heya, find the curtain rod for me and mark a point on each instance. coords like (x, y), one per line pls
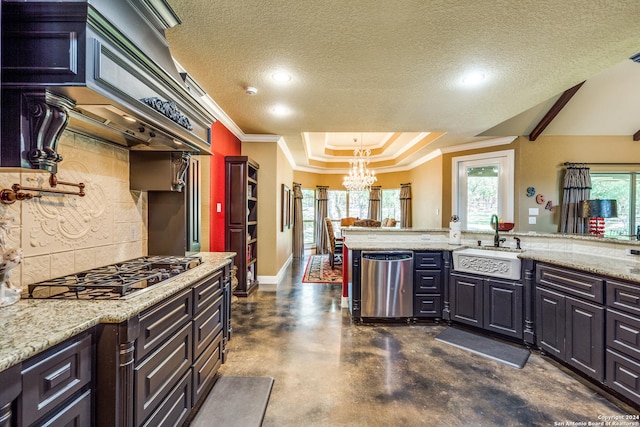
(600, 164)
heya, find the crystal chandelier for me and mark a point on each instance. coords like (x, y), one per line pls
(360, 178)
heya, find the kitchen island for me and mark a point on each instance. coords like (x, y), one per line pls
(96, 343)
(575, 298)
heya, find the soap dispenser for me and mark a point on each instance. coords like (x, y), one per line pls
(455, 232)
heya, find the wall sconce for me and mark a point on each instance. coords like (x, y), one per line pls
(597, 210)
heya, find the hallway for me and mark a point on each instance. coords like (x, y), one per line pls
(331, 372)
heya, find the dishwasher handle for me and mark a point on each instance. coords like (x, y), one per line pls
(388, 256)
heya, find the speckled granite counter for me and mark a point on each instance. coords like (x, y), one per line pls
(413, 246)
(33, 325)
(606, 257)
(625, 268)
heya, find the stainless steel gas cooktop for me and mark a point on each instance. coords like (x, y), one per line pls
(114, 281)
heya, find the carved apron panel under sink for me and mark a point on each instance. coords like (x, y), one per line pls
(488, 262)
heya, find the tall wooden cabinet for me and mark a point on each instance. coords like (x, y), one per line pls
(241, 220)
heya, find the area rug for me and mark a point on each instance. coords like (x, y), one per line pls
(319, 271)
(235, 402)
(486, 347)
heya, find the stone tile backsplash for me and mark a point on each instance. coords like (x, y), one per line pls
(63, 234)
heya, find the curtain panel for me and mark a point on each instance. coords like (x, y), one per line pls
(405, 206)
(298, 226)
(374, 203)
(322, 211)
(576, 188)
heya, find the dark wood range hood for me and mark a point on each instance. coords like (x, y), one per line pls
(100, 67)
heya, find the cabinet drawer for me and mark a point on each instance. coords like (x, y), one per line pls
(623, 296)
(160, 372)
(161, 321)
(427, 281)
(50, 379)
(76, 413)
(623, 375)
(424, 260)
(206, 367)
(426, 306)
(207, 291)
(571, 282)
(623, 333)
(206, 326)
(173, 411)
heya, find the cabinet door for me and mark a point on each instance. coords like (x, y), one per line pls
(550, 322)
(466, 299)
(585, 337)
(503, 307)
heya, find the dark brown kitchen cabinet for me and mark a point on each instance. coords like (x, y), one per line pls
(623, 338)
(158, 366)
(570, 318)
(241, 220)
(427, 284)
(491, 304)
(466, 299)
(56, 385)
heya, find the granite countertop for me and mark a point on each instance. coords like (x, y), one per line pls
(34, 325)
(624, 268)
(382, 245)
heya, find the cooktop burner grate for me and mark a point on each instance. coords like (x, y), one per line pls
(114, 281)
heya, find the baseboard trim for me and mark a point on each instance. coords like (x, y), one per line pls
(270, 283)
(345, 302)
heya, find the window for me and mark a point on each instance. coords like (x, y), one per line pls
(622, 187)
(308, 215)
(343, 204)
(483, 185)
(390, 204)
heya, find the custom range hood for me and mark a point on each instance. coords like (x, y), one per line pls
(100, 67)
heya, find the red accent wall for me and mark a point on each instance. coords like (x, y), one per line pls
(223, 143)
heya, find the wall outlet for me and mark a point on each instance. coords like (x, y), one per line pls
(425, 236)
(218, 207)
(633, 251)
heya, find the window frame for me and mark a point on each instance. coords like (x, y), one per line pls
(633, 213)
(506, 178)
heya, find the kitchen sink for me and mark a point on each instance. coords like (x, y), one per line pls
(489, 262)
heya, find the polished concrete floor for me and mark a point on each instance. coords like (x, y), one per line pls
(330, 371)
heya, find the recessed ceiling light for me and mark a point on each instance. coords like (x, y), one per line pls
(281, 76)
(280, 110)
(473, 78)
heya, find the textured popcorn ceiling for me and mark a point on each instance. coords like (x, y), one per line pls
(397, 66)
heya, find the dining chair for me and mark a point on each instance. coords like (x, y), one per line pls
(334, 246)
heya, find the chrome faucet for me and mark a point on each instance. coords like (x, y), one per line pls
(496, 238)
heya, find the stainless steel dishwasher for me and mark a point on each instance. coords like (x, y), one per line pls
(387, 284)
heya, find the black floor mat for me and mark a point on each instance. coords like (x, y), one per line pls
(486, 347)
(235, 401)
